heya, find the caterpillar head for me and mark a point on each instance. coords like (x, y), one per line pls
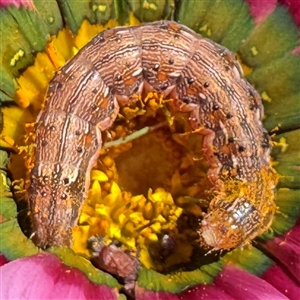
(54, 201)
(231, 224)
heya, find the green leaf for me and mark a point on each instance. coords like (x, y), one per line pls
(110, 9)
(26, 32)
(192, 12)
(13, 243)
(278, 79)
(240, 28)
(7, 86)
(8, 209)
(5, 99)
(103, 11)
(288, 202)
(15, 51)
(179, 281)
(287, 159)
(74, 12)
(151, 10)
(36, 26)
(121, 11)
(275, 37)
(49, 16)
(250, 259)
(95, 11)
(225, 22)
(284, 113)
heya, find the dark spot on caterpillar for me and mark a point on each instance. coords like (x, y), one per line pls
(72, 77)
(59, 85)
(45, 178)
(77, 132)
(216, 107)
(164, 86)
(146, 73)
(171, 61)
(101, 39)
(251, 106)
(94, 91)
(52, 128)
(265, 145)
(241, 148)
(44, 143)
(190, 80)
(164, 27)
(119, 77)
(44, 194)
(106, 57)
(229, 115)
(176, 36)
(206, 84)
(156, 67)
(79, 149)
(227, 68)
(265, 140)
(66, 180)
(231, 140)
(185, 100)
(93, 106)
(251, 94)
(64, 196)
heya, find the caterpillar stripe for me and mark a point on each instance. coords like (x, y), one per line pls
(203, 78)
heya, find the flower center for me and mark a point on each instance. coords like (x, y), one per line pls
(145, 193)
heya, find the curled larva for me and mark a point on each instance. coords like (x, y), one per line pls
(203, 78)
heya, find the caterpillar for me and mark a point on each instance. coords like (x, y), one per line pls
(204, 80)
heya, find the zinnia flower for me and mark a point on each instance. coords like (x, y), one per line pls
(136, 187)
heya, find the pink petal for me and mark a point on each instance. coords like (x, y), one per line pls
(205, 292)
(3, 260)
(286, 249)
(282, 282)
(244, 286)
(294, 8)
(143, 294)
(44, 276)
(260, 9)
(26, 3)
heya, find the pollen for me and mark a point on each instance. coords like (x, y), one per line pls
(254, 51)
(17, 57)
(148, 5)
(101, 8)
(266, 97)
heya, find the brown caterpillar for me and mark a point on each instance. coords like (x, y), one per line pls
(203, 78)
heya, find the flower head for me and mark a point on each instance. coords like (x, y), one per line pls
(144, 193)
